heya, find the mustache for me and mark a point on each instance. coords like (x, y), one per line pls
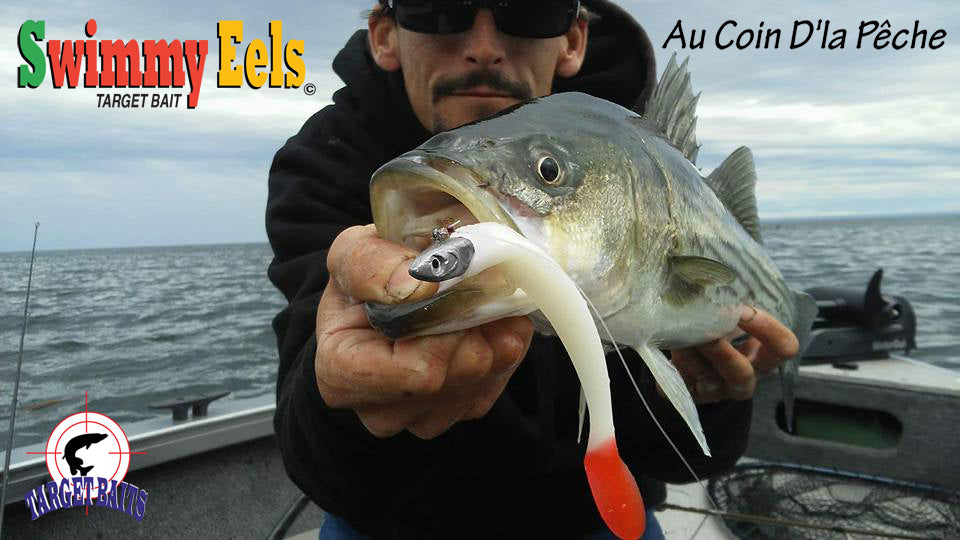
(489, 78)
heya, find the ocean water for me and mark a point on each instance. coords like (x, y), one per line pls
(131, 327)
(135, 326)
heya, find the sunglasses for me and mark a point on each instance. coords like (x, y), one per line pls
(518, 18)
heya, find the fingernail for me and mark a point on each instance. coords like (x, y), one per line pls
(747, 313)
(418, 366)
(401, 284)
(707, 385)
(515, 343)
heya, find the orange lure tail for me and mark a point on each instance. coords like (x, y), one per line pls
(615, 491)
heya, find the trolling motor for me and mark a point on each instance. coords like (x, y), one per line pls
(853, 325)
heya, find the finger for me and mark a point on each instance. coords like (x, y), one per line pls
(766, 362)
(484, 403)
(431, 356)
(366, 267)
(749, 349)
(509, 339)
(359, 367)
(772, 334)
(710, 389)
(490, 392)
(336, 312)
(734, 368)
(471, 361)
(388, 420)
(763, 361)
(691, 364)
(439, 419)
(702, 379)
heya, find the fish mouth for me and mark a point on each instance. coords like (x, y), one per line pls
(411, 196)
(419, 191)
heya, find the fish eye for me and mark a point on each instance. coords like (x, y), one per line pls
(549, 170)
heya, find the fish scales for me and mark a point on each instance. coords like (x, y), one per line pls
(668, 257)
(677, 212)
(708, 229)
(654, 267)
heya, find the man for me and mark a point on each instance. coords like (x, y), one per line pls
(470, 434)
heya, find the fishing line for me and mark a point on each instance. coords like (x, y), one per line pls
(16, 384)
(644, 400)
(627, 368)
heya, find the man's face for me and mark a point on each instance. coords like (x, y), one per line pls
(454, 79)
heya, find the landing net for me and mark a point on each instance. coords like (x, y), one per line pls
(832, 504)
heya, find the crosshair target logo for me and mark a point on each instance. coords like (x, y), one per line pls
(88, 444)
(87, 457)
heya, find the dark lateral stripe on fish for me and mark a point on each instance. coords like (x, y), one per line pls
(722, 248)
(745, 264)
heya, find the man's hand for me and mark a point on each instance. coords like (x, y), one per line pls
(717, 370)
(424, 384)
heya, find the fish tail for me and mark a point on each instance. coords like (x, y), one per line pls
(615, 490)
(804, 313)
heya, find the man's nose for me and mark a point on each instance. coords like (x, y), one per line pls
(484, 46)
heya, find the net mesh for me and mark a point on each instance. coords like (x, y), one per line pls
(831, 499)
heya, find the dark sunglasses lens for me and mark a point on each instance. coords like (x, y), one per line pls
(434, 16)
(535, 19)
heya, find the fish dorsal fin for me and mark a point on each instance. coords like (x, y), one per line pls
(672, 109)
(735, 182)
(689, 275)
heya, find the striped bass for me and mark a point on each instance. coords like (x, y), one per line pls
(668, 257)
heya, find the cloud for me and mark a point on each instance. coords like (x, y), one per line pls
(110, 177)
(842, 132)
(833, 132)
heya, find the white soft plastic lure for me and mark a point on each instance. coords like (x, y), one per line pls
(543, 284)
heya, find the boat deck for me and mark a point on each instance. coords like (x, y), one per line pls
(221, 476)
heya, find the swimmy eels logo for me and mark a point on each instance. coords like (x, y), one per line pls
(157, 64)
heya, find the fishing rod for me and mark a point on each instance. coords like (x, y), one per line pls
(16, 384)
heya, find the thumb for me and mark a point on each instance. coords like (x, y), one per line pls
(402, 287)
(369, 268)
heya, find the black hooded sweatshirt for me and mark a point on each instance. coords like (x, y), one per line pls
(518, 471)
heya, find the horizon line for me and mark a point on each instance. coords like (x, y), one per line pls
(779, 219)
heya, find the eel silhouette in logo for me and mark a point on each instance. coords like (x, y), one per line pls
(75, 444)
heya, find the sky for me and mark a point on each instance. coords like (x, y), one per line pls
(834, 132)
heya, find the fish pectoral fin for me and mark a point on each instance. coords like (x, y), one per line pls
(671, 382)
(702, 271)
(689, 275)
